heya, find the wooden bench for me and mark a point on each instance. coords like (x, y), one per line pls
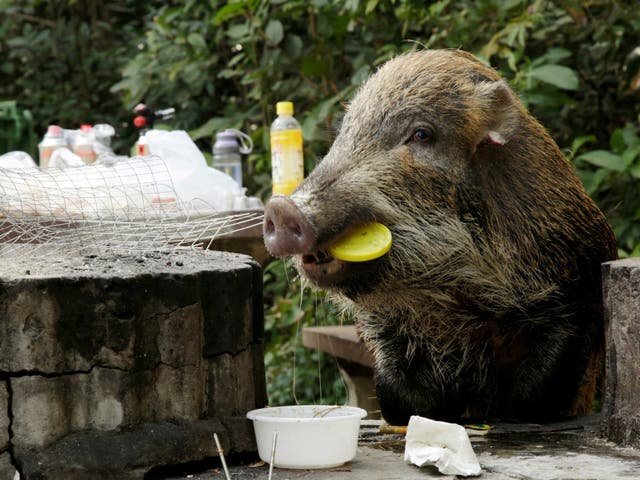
(354, 359)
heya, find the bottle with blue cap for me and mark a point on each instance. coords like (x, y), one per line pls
(227, 152)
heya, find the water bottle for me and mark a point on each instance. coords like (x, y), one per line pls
(287, 162)
(227, 152)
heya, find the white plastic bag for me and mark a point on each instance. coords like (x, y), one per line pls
(193, 180)
(17, 160)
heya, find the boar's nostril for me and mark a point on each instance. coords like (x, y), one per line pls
(269, 227)
(295, 229)
(286, 230)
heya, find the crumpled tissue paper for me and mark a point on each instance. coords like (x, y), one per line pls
(445, 445)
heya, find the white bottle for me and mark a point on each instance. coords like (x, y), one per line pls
(83, 145)
(52, 140)
(287, 161)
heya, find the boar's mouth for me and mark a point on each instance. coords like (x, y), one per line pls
(326, 271)
(318, 258)
(323, 269)
(288, 232)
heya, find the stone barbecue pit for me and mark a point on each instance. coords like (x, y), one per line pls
(113, 364)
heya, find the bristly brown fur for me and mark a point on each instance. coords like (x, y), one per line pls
(488, 303)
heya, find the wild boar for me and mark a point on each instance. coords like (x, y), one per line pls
(488, 304)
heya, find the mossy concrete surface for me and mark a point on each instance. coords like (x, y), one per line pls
(111, 365)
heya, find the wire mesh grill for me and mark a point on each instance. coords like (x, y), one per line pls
(129, 207)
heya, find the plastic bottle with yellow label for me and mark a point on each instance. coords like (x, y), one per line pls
(287, 162)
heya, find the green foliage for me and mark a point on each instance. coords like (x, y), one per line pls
(60, 58)
(612, 178)
(294, 372)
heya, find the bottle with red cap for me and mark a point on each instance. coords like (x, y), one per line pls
(141, 147)
(144, 120)
(83, 144)
(54, 138)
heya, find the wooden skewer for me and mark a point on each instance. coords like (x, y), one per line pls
(273, 453)
(221, 453)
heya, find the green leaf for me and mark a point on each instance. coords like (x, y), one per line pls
(312, 67)
(212, 126)
(371, 6)
(229, 11)
(630, 136)
(352, 5)
(616, 142)
(552, 56)
(228, 73)
(636, 251)
(578, 143)
(197, 40)
(317, 116)
(360, 75)
(629, 155)
(604, 159)
(293, 45)
(274, 32)
(237, 32)
(558, 75)
(592, 180)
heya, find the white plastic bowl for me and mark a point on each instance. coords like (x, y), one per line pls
(309, 436)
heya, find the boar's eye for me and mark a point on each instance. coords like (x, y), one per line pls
(422, 135)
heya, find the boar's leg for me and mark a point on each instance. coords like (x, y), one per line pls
(413, 386)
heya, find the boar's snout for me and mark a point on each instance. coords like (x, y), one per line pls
(286, 230)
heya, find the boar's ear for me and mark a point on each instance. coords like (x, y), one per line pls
(500, 112)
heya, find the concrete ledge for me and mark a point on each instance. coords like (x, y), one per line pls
(125, 454)
(621, 287)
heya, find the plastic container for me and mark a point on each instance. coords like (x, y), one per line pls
(83, 145)
(309, 436)
(142, 146)
(287, 161)
(227, 150)
(54, 138)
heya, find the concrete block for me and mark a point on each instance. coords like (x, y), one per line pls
(231, 298)
(94, 348)
(231, 389)
(621, 283)
(124, 455)
(47, 409)
(7, 470)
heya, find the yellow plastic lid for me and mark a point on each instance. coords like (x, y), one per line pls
(363, 243)
(284, 108)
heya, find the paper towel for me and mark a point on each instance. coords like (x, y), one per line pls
(445, 445)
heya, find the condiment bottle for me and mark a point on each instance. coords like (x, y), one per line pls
(83, 145)
(53, 139)
(287, 161)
